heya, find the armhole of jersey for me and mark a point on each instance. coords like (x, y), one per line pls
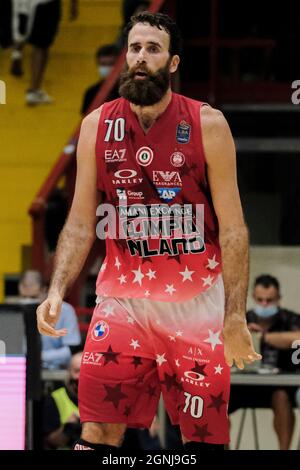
(201, 141)
(98, 156)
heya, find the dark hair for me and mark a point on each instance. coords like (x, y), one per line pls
(160, 21)
(266, 280)
(108, 49)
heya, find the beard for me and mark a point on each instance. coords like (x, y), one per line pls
(147, 91)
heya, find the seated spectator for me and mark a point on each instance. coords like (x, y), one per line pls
(106, 57)
(61, 424)
(56, 352)
(279, 328)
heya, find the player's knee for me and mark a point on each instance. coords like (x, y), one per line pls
(104, 433)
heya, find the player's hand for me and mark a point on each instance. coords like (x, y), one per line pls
(154, 428)
(238, 345)
(47, 316)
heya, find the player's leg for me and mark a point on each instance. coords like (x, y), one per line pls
(194, 376)
(284, 417)
(101, 436)
(118, 384)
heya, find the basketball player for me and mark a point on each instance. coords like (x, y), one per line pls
(168, 318)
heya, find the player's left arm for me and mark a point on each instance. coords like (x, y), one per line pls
(220, 158)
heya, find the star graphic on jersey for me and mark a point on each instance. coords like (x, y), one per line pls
(147, 190)
(147, 293)
(188, 169)
(103, 267)
(218, 369)
(175, 258)
(179, 387)
(130, 320)
(131, 133)
(140, 379)
(112, 167)
(110, 356)
(177, 362)
(135, 344)
(212, 263)
(151, 274)
(169, 381)
(117, 263)
(122, 243)
(217, 401)
(179, 333)
(207, 281)
(109, 310)
(138, 275)
(160, 359)
(172, 338)
(145, 260)
(122, 279)
(213, 339)
(199, 369)
(170, 289)
(201, 432)
(186, 275)
(127, 410)
(151, 391)
(184, 170)
(136, 361)
(114, 394)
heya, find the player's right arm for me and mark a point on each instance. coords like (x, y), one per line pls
(79, 233)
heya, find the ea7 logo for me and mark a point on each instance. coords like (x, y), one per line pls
(166, 177)
(91, 358)
(115, 155)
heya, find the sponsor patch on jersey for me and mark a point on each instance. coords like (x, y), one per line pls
(167, 194)
(177, 159)
(123, 194)
(100, 330)
(92, 358)
(166, 178)
(115, 155)
(126, 176)
(144, 156)
(183, 132)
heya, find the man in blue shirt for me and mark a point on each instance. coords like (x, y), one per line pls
(56, 352)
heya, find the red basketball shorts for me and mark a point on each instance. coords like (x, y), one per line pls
(137, 349)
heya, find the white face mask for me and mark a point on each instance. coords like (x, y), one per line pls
(104, 70)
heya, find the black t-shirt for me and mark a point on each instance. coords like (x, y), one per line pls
(283, 321)
(51, 418)
(92, 91)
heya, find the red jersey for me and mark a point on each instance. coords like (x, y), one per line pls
(155, 181)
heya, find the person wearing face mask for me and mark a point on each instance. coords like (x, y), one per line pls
(106, 57)
(56, 352)
(61, 424)
(279, 328)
